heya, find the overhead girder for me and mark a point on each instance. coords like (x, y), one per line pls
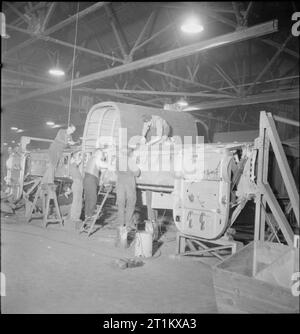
(234, 37)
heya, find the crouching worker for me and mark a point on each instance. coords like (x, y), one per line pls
(156, 129)
(91, 181)
(127, 171)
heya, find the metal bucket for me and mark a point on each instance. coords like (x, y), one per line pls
(143, 244)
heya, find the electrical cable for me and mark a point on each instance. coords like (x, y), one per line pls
(73, 66)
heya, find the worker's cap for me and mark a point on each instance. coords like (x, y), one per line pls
(146, 118)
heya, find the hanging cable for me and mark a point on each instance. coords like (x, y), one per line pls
(73, 66)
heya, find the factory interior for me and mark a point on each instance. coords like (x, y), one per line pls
(150, 157)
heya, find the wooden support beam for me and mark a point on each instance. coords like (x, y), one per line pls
(283, 165)
(237, 36)
(279, 215)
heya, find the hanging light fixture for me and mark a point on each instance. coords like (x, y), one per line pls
(56, 126)
(57, 71)
(182, 102)
(192, 26)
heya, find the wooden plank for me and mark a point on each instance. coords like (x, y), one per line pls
(190, 244)
(258, 199)
(180, 241)
(278, 214)
(266, 148)
(284, 167)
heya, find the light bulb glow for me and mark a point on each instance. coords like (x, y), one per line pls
(56, 72)
(192, 26)
(182, 103)
(14, 128)
(50, 123)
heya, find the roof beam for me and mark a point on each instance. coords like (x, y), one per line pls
(66, 44)
(48, 15)
(189, 81)
(153, 92)
(57, 27)
(16, 11)
(141, 34)
(120, 96)
(254, 99)
(29, 75)
(226, 77)
(118, 31)
(265, 41)
(269, 64)
(230, 38)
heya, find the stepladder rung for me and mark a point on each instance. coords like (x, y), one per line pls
(90, 229)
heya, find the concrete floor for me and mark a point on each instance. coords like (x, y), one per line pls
(55, 270)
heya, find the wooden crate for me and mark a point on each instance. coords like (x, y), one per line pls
(257, 279)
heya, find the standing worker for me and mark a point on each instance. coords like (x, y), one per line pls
(127, 171)
(91, 181)
(155, 128)
(61, 141)
(77, 189)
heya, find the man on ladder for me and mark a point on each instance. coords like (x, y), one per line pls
(61, 141)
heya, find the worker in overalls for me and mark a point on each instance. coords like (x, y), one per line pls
(156, 130)
(77, 189)
(127, 171)
(61, 141)
(91, 182)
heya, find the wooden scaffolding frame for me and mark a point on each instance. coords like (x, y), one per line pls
(268, 135)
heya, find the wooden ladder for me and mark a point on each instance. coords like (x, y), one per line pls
(89, 229)
(46, 192)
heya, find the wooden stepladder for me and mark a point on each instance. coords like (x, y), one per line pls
(46, 192)
(89, 226)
